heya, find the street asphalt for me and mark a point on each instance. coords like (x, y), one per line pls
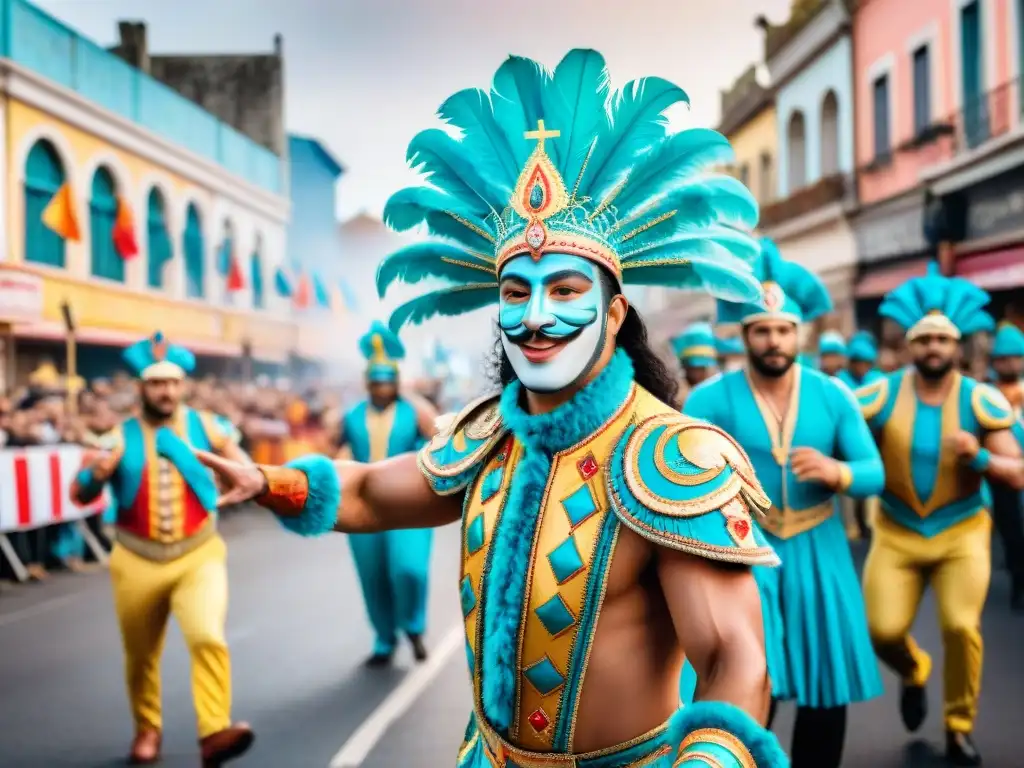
(298, 638)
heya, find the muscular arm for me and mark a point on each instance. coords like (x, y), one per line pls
(866, 475)
(391, 494)
(716, 611)
(1006, 464)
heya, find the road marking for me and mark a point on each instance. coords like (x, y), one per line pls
(354, 751)
(34, 610)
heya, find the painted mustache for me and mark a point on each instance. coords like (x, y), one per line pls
(563, 327)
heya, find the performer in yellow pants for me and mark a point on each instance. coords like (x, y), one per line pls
(940, 434)
(168, 557)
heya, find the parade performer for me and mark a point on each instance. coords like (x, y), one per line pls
(168, 557)
(1008, 363)
(731, 354)
(808, 443)
(940, 434)
(602, 531)
(861, 355)
(393, 565)
(695, 348)
(832, 353)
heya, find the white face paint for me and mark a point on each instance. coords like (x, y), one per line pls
(552, 315)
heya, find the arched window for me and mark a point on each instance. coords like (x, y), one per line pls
(44, 175)
(157, 238)
(796, 148)
(195, 268)
(106, 261)
(766, 179)
(830, 135)
(256, 273)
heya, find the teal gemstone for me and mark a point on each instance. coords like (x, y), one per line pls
(467, 596)
(565, 560)
(543, 676)
(579, 505)
(555, 615)
(491, 483)
(475, 535)
(536, 196)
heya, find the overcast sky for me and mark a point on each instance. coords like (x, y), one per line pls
(364, 77)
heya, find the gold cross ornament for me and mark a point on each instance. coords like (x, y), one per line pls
(540, 134)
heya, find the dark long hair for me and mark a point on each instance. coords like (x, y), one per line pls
(650, 372)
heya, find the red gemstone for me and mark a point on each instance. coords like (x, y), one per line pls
(539, 720)
(587, 466)
(741, 528)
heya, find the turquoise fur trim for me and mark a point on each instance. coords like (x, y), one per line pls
(88, 488)
(681, 533)
(541, 437)
(195, 474)
(762, 743)
(320, 512)
(133, 463)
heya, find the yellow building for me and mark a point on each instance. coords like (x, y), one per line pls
(199, 196)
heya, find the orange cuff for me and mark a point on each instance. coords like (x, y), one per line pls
(287, 490)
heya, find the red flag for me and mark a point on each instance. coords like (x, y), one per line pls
(236, 280)
(124, 231)
(303, 293)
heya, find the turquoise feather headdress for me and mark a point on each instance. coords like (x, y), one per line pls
(832, 343)
(382, 350)
(862, 347)
(696, 345)
(791, 292)
(155, 358)
(935, 304)
(558, 163)
(1009, 341)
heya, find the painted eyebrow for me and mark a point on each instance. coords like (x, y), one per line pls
(566, 273)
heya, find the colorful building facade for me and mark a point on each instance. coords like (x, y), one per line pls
(180, 219)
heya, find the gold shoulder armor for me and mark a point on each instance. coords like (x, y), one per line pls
(873, 397)
(991, 408)
(462, 441)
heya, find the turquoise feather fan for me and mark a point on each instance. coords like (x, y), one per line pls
(960, 301)
(641, 194)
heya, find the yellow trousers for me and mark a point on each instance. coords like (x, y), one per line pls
(195, 589)
(957, 564)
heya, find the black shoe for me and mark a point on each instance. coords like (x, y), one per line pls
(419, 650)
(913, 706)
(960, 749)
(379, 660)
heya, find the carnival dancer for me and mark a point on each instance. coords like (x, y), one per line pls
(808, 443)
(603, 531)
(696, 351)
(394, 565)
(1008, 362)
(168, 557)
(832, 353)
(731, 354)
(941, 434)
(861, 356)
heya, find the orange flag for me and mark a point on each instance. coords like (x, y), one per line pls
(303, 293)
(124, 231)
(59, 214)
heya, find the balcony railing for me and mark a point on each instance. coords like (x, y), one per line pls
(38, 42)
(831, 189)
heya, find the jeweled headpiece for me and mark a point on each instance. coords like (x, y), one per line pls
(155, 358)
(790, 292)
(382, 350)
(557, 163)
(937, 305)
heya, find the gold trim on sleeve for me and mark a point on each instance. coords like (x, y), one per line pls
(723, 739)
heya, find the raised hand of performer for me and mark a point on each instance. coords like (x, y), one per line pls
(963, 444)
(238, 482)
(812, 466)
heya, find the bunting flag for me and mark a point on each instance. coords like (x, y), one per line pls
(348, 295)
(125, 243)
(235, 278)
(302, 297)
(59, 214)
(282, 283)
(323, 298)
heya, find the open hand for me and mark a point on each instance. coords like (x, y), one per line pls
(963, 444)
(811, 466)
(239, 482)
(101, 464)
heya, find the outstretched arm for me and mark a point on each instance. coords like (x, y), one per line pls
(863, 474)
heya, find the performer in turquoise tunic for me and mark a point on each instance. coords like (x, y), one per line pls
(832, 353)
(861, 355)
(603, 532)
(941, 434)
(394, 565)
(731, 354)
(808, 443)
(696, 351)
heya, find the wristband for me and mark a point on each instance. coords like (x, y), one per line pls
(981, 460)
(845, 477)
(305, 495)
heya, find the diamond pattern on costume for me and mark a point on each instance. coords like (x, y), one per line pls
(565, 560)
(543, 676)
(555, 615)
(491, 483)
(579, 505)
(475, 534)
(469, 659)
(467, 596)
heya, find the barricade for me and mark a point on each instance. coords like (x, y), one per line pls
(35, 486)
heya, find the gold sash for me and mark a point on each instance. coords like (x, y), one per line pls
(785, 523)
